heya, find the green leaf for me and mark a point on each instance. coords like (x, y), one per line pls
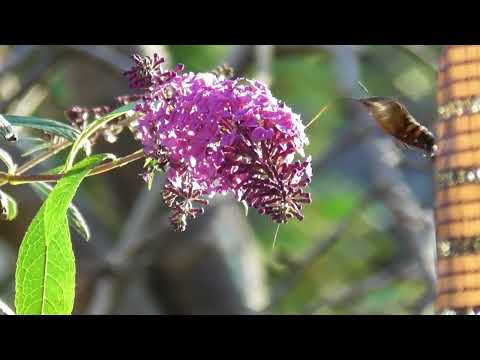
(8, 207)
(45, 273)
(124, 109)
(75, 217)
(8, 161)
(49, 126)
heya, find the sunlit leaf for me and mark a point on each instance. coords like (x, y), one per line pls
(45, 274)
(8, 207)
(75, 217)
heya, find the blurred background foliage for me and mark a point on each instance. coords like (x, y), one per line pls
(347, 257)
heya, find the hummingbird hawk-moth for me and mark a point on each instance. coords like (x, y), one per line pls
(395, 119)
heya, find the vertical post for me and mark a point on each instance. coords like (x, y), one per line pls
(457, 181)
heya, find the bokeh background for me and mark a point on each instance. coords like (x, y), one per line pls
(367, 243)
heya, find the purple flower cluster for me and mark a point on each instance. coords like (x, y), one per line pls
(219, 135)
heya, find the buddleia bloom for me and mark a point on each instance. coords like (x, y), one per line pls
(216, 135)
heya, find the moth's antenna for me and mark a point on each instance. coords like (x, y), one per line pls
(363, 87)
(276, 235)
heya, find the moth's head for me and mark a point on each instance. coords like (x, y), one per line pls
(380, 101)
(383, 105)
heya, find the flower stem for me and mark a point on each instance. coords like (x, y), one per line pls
(90, 130)
(35, 161)
(100, 169)
(4, 178)
(55, 150)
(26, 179)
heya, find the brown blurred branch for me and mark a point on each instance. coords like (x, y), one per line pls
(106, 55)
(239, 58)
(37, 73)
(263, 58)
(428, 67)
(396, 271)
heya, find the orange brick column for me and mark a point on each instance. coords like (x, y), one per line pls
(457, 181)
